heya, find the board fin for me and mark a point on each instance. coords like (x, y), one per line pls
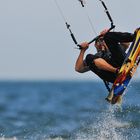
(110, 96)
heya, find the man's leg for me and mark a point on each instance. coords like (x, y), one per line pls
(112, 40)
(98, 66)
(103, 65)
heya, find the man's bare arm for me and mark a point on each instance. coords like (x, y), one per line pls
(80, 65)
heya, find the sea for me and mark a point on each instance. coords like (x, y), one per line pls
(67, 110)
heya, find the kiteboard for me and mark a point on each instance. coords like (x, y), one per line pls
(126, 71)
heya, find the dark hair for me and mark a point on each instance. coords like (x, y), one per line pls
(100, 39)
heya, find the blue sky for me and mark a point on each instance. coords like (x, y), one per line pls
(35, 44)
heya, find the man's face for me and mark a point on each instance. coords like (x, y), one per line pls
(99, 44)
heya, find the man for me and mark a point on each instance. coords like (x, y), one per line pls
(110, 55)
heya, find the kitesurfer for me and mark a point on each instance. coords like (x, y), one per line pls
(110, 55)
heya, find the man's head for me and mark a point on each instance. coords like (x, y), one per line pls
(100, 44)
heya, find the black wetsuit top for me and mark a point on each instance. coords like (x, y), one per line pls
(114, 56)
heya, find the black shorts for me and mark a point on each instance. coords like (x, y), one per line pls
(113, 40)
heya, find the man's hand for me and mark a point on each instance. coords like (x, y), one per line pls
(84, 45)
(104, 32)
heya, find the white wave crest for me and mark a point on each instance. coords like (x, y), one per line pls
(106, 127)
